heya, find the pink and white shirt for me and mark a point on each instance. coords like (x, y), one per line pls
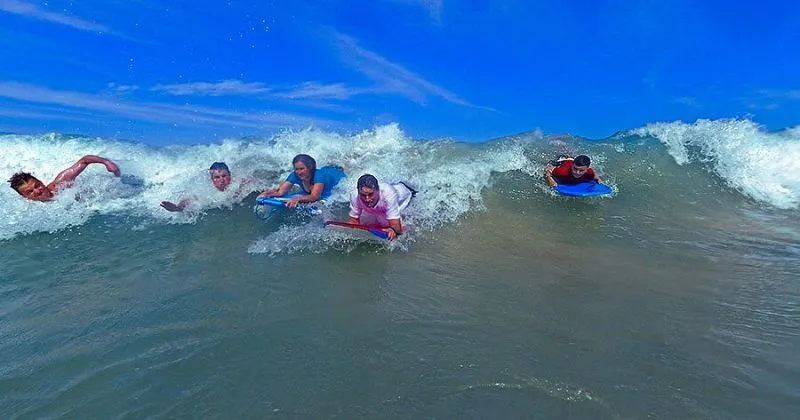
(394, 198)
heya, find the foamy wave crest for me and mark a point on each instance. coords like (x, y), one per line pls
(761, 164)
(449, 177)
(150, 175)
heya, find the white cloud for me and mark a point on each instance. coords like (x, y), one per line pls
(688, 101)
(433, 7)
(156, 112)
(314, 90)
(769, 99)
(32, 11)
(121, 89)
(393, 78)
(778, 94)
(309, 94)
(20, 113)
(224, 88)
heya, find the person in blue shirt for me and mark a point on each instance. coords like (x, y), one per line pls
(316, 184)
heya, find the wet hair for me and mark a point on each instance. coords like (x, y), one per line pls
(219, 165)
(307, 160)
(582, 160)
(18, 179)
(368, 181)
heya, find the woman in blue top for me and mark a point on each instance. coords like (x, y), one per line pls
(317, 184)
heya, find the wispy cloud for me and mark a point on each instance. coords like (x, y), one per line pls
(779, 94)
(121, 89)
(433, 7)
(19, 113)
(34, 12)
(391, 77)
(769, 99)
(308, 94)
(228, 87)
(314, 90)
(156, 112)
(387, 78)
(688, 101)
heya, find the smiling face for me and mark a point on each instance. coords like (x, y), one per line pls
(302, 171)
(35, 190)
(220, 178)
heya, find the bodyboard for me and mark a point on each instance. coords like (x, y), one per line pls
(367, 232)
(584, 189)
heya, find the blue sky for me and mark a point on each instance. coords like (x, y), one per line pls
(198, 71)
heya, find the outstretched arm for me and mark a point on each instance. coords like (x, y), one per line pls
(169, 206)
(68, 175)
(277, 192)
(316, 193)
(548, 175)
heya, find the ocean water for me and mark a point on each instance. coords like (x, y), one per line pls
(676, 297)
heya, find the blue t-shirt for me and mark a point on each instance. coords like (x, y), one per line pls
(327, 175)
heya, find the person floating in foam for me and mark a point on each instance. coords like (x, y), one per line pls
(379, 204)
(220, 176)
(566, 170)
(317, 184)
(32, 188)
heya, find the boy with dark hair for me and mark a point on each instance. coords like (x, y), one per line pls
(32, 188)
(380, 204)
(220, 177)
(570, 171)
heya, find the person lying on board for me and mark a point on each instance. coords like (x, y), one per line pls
(33, 189)
(566, 170)
(379, 204)
(316, 183)
(220, 176)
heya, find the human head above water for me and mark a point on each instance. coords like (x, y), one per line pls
(30, 187)
(368, 181)
(582, 160)
(580, 165)
(219, 165)
(308, 167)
(368, 191)
(220, 175)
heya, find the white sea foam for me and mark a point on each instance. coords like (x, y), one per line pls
(449, 176)
(762, 165)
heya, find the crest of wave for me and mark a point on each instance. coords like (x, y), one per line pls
(449, 176)
(758, 163)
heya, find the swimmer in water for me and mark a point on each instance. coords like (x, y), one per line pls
(316, 183)
(33, 189)
(380, 204)
(220, 176)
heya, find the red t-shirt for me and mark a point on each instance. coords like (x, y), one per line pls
(563, 174)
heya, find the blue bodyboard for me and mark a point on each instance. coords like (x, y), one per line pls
(266, 207)
(277, 201)
(584, 189)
